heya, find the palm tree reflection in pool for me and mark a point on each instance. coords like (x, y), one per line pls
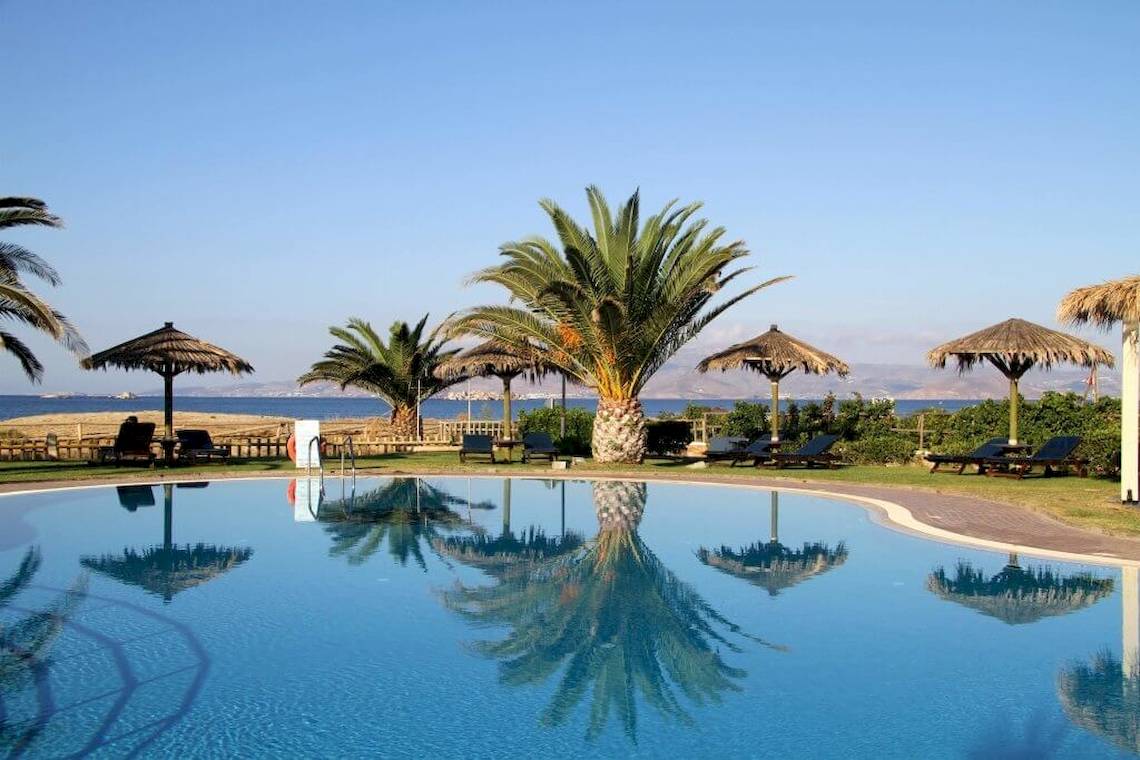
(403, 511)
(612, 618)
(25, 649)
(772, 565)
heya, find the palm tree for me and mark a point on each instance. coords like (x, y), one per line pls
(17, 302)
(611, 306)
(401, 371)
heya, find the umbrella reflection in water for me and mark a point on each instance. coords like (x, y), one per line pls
(166, 569)
(772, 565)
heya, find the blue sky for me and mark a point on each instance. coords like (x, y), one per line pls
(256, 171)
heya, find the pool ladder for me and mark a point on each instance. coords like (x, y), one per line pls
(347, 446)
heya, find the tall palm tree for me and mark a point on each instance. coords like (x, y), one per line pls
(401, 371)
(17, 302)
(611, 305)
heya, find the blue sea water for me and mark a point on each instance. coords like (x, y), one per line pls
(339, 408)
(486, 618)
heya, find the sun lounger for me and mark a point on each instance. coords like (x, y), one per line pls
(477, 445)
(725, 448)
(1055, 457)
(196, 445)
(759, 451)
(817, 451)
(538, 445)
(131, 444)
(991, 448)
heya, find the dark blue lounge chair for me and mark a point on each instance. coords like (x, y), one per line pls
(538, 445)
(1055, 457)
(817, 451)
(991, 448)
(477, 445)
(725, 448)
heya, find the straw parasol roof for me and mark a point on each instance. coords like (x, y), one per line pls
(1103, 305)
(1100, 697)
(1015, 345)
(491, 358)
(773, 566)
(168, 350)
(164, 570)
(1017, 596)
(774, 353)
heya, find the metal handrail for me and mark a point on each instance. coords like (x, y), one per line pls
(352, 456)
(309, 461)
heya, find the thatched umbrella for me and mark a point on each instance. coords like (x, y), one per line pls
(1104, 305)
(494, 359)
(168, 569)
(1019, 595)
(169, 352)
(772, 565)
(1014, 346)
(775, 355)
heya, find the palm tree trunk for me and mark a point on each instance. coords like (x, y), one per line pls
(619, 431)
(404, 423)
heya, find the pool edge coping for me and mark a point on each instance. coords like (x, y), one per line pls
(897, 516)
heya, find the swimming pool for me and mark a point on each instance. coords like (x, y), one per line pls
(487, 617)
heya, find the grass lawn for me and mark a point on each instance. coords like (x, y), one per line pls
(1091, 503)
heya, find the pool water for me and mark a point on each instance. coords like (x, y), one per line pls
(484, 617)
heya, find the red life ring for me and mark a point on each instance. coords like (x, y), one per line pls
(291, 448)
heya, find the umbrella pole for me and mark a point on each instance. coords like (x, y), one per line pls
(507, 407)
(775, 410)
(1014, 403)
(506, 506)
(167, 515)
(1130, 414)
(168, 415)
(774, 517)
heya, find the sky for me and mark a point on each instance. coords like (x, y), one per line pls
(258, 171)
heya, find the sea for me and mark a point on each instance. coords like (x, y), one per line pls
(331, 408)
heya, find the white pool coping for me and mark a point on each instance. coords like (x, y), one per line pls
(897, 516)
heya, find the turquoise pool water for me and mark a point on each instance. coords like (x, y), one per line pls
(478, 617)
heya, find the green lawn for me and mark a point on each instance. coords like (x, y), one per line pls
(1087, 502)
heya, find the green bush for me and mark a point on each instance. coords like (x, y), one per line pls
(877, 449)
(668, 436)
(579, 428)
(747, 419)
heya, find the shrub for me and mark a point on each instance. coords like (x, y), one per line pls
(747, 419)
(878, 449)
(579, 428)
(668, 436)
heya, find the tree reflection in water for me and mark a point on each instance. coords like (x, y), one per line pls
(612, 618)
(25, 651)
(405, 512)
